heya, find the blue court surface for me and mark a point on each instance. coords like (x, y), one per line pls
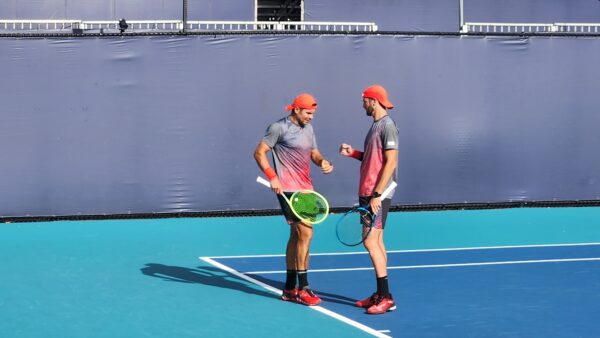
(530, 272)
(527, 291)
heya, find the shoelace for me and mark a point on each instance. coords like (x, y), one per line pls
(380, 298)
(310, 292)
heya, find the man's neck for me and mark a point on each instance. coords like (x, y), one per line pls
(378, 114)
(295, 121)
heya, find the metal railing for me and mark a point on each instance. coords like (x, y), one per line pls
(177, 25)
(501, 27)
(579, 28)
(281, 26)
(498, 27)
(36, 25)
(134, 25)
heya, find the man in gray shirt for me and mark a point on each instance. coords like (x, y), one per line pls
(294, 146)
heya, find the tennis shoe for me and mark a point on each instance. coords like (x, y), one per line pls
(367, 302)
(290, 295)
(308, 297)
(383, 305)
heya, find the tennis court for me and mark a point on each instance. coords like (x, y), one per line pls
(131, 130)
(495, 273)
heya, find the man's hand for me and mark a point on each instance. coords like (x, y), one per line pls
(346, 149)
(326, 167)
(375, 204)
(276, 186)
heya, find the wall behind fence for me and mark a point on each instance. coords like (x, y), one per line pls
(169, 124)
(129, 9)
(390, 15)
(547, 11)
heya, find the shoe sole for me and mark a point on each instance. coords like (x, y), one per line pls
(379, 313)
(298, 301)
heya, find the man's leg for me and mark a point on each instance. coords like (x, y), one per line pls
(384, 301)
(304, 233)
(377, 253)
(379, 262)
(290, 259)
(305, 294)
(290, 291)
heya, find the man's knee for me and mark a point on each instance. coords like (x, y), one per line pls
(370, 243)
(303, 231)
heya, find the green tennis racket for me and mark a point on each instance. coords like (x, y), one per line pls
(309, 206)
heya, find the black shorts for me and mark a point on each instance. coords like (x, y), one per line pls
(381, 217)
(285, 207)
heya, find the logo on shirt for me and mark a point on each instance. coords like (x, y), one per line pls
(391, 143)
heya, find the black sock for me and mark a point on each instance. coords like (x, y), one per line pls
(382, 286)
(290, 281)
(302, 279)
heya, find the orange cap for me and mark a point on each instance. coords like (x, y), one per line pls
(378, 93)
(303, 101)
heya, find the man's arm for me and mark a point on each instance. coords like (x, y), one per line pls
(348, 151)
(390, 158)
(260, 155)
(317, 158)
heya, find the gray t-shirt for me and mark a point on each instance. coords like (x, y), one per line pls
(382, 136)
(291, 147)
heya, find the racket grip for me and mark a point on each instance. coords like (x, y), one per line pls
(263, 182)
(388, 190)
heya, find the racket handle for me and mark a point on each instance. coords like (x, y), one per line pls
(268, 185)
(263, 182)
(388, 190)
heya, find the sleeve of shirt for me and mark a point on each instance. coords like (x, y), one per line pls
(314, 140)
(272, 134)
(390, 137)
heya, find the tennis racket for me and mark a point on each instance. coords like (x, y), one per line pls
(355, 225)
(309, 206)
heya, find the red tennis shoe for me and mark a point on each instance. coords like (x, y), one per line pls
(383, 305)
(367, 302)
(290, 295)
(308, 297)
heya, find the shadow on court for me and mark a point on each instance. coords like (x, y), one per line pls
(206, 275)
(326, 297)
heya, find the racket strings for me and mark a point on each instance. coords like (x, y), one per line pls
(354, 226)
(309, 206)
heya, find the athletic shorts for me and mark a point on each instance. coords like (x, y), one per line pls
(381, 216)
(285, 207)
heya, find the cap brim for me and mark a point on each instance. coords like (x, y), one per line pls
(290, 107)
(388, 104)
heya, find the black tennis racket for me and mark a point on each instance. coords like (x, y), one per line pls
(355, 225)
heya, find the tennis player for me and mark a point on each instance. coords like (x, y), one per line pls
(377, 170)
(294, 146)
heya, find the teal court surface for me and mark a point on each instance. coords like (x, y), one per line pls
(529, 272)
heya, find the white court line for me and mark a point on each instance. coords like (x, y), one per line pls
(436, 265)
(421, 250)
(278, 292)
